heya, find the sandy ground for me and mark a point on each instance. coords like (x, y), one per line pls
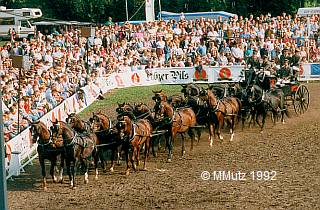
(291, 152)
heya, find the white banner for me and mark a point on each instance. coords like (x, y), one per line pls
(150, 10)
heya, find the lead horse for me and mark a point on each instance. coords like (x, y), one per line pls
(227, 108)
(107, 138)
(180, 121)
(78, 148)
(47, 150)
(134, 134)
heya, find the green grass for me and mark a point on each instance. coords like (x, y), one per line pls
(130, 95)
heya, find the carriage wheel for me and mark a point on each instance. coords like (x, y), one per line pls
(301, 100)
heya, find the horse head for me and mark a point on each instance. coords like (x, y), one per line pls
(124, 126)
(100, 122)
(61, 133)
(159, 95)
(190, 90)
(208, 96)
(124, 107)
(254, 94)
(71, 119)
(40, 132)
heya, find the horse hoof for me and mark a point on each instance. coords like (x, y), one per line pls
(105, 171)
(127, 173)
(211, 144)
(74, 188)
(111, 170)
(45, 188)
(96, 178)
(169, 160)
(61, 181)
(183, 153)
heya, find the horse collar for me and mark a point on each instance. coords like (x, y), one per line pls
(217, 106)
(134, 132)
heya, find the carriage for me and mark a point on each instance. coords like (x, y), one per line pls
(296, 93)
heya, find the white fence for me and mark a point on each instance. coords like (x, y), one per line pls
(22, 150)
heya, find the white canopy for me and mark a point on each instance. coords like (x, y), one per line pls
(309, 11)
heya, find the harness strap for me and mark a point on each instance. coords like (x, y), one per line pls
(46, 144)
(73, 141)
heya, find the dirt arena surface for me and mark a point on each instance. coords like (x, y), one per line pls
(291, 150)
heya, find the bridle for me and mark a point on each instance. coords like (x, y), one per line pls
(35, 132)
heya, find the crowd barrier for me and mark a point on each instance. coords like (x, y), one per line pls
(21, 150)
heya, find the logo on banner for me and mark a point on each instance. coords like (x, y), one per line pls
(135, 78)
(301, 70)
(53, 118)
(225, 74)
(59, 115)
(315, 70)
(119, 81)
(200, 74)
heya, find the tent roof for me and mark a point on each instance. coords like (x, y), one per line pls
(308, 11)
(170, 15)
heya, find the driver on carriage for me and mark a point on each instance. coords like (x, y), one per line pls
(253, 63)
(285, 74)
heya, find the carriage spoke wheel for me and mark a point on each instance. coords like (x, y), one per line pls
(301, 100)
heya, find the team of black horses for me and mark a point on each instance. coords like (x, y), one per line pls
(139, 128)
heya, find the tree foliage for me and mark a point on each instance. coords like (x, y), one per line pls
(99, 10)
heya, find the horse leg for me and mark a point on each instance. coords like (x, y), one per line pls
(95, 159)
(220, 124)
(211, 134)
(251, 117)
(183, 151)
(73, 181)
(68, 163)
(192, 136)
(100, 152)
(52, 167)
(232, 122)
(61, 168)
(113, 153)
(43, 171)
(86, 176)
(138, 155)
(198, 136)
(127, 159)
(170, 146)
(133, 157)
(119, 155)
(146, 152)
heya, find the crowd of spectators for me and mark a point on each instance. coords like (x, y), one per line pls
(59, 60)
